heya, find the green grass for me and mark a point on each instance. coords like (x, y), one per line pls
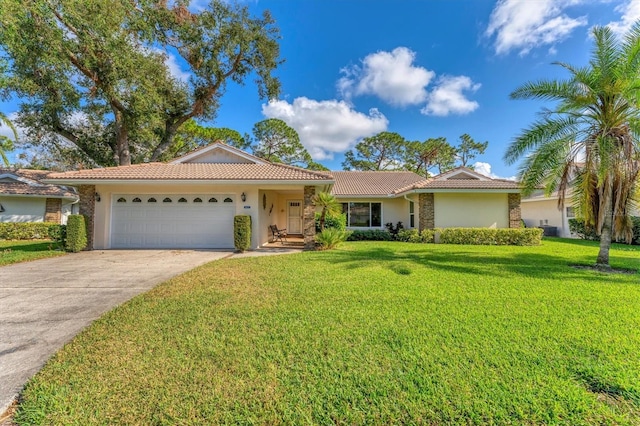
(371, 333)
(24, 251)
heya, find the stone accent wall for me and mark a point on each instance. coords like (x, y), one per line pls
(87, 208)
(52, 210)
(426, 210)
(515, 214)
(308, 222)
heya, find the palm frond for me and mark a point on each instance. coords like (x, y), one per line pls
(541, 132)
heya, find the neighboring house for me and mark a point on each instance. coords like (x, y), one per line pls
(458, 198)
(190, 202)
(539, 210)
(25, 198)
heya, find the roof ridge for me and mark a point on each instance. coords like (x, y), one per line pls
(314, 172)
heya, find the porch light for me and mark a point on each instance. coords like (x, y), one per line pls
(1, 208)
(243, 197)
(97, 197)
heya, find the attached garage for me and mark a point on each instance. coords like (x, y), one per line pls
(172, 221)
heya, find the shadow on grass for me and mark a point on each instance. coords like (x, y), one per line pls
(492, 261)
(29, 247)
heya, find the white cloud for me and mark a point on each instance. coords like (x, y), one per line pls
(391, 76)
(523, 24)
(326, 127)
(448, 98)
(630, 12)
(485, 169)
(394, 78)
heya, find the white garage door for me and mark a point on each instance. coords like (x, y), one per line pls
(172, 221)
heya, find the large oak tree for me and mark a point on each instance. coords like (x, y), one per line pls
(92, 78)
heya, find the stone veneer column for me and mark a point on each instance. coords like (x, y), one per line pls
(52, 209)
(515, 214)
(309, 222)
(87, 208)
(426, 211)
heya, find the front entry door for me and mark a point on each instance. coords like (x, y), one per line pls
(294, 217)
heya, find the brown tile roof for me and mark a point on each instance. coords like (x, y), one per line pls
(353, 183)
(469, 184)
(194, 171)
(35, 188)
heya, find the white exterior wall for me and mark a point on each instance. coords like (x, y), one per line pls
(545, 212)
(471, 210)
(260, 217)
(22, 209)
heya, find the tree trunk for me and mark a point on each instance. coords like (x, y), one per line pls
(170, 129)
(607, 230)
(122, 154)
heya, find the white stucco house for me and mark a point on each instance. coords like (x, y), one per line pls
(25, 198)
(191, 201)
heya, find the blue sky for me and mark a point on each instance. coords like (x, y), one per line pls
(423, 69)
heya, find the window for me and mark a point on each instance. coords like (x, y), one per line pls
(182, 200)
(167, 200)
(213, 200)
(136, 200)
(363, 215)
(197, 200)
(571, 213)
(122, 200)
(412, 219)
(152, 200)
(228, 200)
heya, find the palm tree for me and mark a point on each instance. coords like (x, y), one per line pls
(329, 205)
(589, 141)
(6, 144)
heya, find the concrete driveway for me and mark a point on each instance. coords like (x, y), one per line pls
(44, 303)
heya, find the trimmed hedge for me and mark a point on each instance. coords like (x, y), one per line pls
(477, 236)
(492, 236)
(31, 231)
(76, 233)
(370, 235)
(414, 236)
(242, 232)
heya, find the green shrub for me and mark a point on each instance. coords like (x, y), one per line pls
(76, 233)
(393, 230)
(492, 236)
(415, 236)
(242, 232)
(58, 233)
(29, 230)
(337, 221)
(636, 230)
(578, 227)
(330, 238)
(370, 235)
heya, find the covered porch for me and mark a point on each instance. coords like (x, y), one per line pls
(289, 209)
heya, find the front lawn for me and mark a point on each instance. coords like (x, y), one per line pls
(371, 333)
(23, 251)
